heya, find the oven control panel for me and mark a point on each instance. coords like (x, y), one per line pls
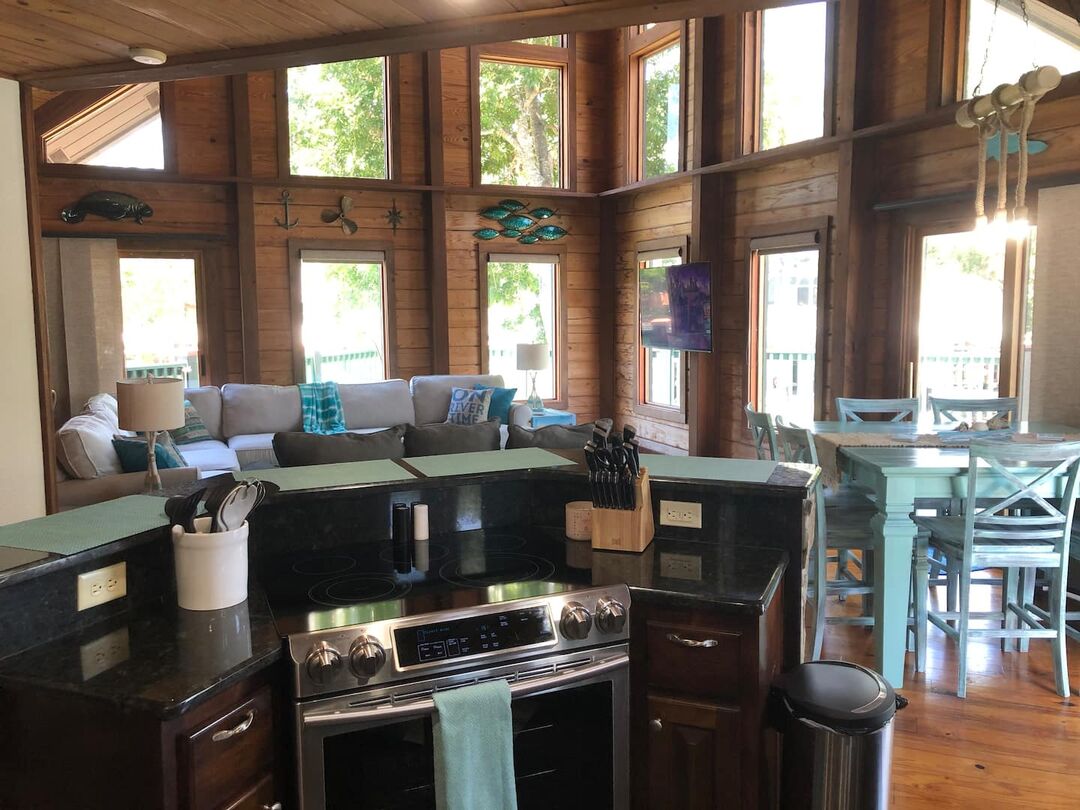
(472, 636)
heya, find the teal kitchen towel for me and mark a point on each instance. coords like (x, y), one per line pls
(474, 748)
(320, 404)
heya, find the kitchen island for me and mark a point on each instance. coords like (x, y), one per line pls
(158, 674)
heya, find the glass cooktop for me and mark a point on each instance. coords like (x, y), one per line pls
(362, 583)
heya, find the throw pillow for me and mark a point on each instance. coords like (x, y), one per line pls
(553, 437)
(501, 400)
(437, 440)
(194, 429)
(468, 406)
(305, 449)
(132, 453)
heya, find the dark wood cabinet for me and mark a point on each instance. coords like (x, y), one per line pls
(61, 750)
(699, 689)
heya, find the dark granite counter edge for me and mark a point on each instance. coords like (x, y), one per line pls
(683, 599)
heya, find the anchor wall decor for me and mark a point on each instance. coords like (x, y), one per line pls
(286, 198)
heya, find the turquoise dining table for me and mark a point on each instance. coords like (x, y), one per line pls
(899, 478)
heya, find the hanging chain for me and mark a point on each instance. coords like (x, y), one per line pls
(1027, 31)
(989, 41)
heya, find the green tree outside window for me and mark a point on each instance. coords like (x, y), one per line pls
(520, 124)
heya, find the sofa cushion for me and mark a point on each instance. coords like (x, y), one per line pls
(553, 437)
(254, 451)
(103, 405)
(132, 453)
(469, 406)
(84, 446)
(210, 455)
(431, 394)
(501, 401)
(207, 401)
(194, 429)
(269, 409)
(304, 449)
(436, 440)
(376, 405)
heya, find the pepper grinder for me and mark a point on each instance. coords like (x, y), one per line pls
(400, 534)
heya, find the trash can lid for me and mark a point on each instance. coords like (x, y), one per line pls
(839, 695)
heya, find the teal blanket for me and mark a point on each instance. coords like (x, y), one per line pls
(474, 748)
(320, 404)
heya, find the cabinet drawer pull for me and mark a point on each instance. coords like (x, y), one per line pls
(274, 806)
(689, 642)
(228, 734)
(656, 724)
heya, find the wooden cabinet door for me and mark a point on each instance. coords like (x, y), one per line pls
(693, 757)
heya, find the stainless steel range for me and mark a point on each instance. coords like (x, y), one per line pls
(370, 644)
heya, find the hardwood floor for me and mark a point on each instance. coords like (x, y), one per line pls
(1012, 743)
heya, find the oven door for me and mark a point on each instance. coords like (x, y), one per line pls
(373, 749)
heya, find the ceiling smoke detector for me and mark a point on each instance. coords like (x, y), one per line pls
(148, 56)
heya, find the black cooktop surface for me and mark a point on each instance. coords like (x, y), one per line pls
(363, 583)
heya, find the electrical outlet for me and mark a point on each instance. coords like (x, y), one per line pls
(680, 513)
(680, 566)
(104, 653)
(101, 586)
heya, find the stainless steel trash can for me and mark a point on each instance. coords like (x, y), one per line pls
(837, 724)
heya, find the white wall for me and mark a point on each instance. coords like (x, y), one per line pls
(1055, 338)
(22, 490)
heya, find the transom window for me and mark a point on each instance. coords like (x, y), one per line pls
(521, 112)
(788, 49)
(522, 302)
(122, 129)
(656, 90)
(661, 371)
(159, 301)
(339, 119)
(343, 323)
(785, 269)
(1010, 48)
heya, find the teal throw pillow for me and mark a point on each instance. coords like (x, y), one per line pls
(501, 400)
(132, 453)
(194, 429)
(468, 406)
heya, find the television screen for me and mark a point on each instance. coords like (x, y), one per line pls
(675, 304)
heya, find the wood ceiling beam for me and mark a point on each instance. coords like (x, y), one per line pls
(591, 16)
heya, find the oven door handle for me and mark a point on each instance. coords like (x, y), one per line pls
(426, 706)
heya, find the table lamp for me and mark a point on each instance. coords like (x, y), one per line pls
(533, 357)
(150, 406)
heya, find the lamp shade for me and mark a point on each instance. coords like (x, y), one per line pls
(154, 403)
(533, 356)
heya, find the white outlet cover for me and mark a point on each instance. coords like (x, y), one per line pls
(103, 585)
(686, 514)
(104, 653)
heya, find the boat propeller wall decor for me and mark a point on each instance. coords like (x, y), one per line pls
(515, 222)
(111, 205)
(329, 215)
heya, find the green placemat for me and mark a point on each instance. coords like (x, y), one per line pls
(709, 469)
(330, 475)
(525, 458)
(87, 527)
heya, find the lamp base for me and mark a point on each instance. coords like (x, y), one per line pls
(152, 484)
(536, 405)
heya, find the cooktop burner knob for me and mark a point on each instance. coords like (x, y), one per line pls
(323, 662)
(610, 615)
(366, 657)
(576, 621)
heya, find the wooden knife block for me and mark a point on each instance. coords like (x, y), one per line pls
(626, 529)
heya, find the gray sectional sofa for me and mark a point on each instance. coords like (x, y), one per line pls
(242, 420)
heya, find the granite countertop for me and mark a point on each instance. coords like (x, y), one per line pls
(166, 659)
(690, 573)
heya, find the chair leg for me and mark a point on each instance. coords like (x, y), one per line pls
(952, 580)
(1027, 596)
(962, 630)
(820, 601)
(868, 579)
(1057, 619)
(922, 588)
(1009, 591)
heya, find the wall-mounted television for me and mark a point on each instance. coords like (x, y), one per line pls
(675, 307)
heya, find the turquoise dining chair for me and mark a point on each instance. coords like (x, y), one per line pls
(945, 409)
(902, 410)
(764, 435)
(1015, 529)
(835, 530)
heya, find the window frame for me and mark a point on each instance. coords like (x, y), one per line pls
(561, 349)
(211, 362)
(296, 302)
(640, 406)
(639, 45)
(393, 131)
(565, 59)
(808, 234)
(749, 90)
